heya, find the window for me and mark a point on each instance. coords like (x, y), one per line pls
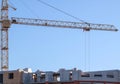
(70, 77)
(85, 75)
(10, 75)
(110, 76)
(1, 78)
(97, 75)
(34, 77)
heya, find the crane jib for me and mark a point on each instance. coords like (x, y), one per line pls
(63, 24)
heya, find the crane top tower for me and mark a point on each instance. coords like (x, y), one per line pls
(6, 22)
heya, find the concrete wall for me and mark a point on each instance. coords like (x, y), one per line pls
(49, 76)
(64, 75)
(109, 75)
(12, 77)
(78, 75)
(26, 77)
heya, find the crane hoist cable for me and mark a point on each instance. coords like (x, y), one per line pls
(85, 56)
(88, 39)
(87, 52)
(29, 9)
(66, 13)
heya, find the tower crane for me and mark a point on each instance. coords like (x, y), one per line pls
(5, 23)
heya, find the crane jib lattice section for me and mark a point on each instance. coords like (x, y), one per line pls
(63, 24)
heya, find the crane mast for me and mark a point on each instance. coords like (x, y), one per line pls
(5, 25)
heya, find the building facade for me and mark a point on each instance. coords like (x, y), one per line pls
(63, 76)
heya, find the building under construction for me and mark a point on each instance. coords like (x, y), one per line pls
(62, 76)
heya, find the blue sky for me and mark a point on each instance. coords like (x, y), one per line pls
(50, 49)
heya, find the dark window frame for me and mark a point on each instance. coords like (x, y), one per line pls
(85, 75)
(97, 75)
(11, 76)
(110, 76)
(1, 78)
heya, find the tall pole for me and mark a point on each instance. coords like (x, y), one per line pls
(5, 24)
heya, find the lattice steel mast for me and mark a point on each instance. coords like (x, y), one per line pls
(5, 24)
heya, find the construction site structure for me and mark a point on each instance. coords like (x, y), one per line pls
(62, 76)
(5, 23)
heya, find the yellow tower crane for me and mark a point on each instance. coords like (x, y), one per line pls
(5, 23)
